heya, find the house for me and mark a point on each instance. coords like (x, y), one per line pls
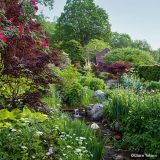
(100, 56)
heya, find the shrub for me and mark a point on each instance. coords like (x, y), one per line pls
(133, 56)
(76, 95)
(97, 84)
(45, 139)
(132, 82)
(153, 86)
(119, 67)
(74, 49)
(141, 126)
(150, 73)
(119, 104)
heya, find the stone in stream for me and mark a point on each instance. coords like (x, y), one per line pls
(94, 126)
(95, 111)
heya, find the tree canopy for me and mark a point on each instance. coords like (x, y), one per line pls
(120, 40)
(82, 21)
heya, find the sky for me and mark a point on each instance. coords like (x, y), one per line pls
(138, 18)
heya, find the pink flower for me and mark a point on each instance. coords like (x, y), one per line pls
(20, 30)
(3, 38)
(33, 2)
(36, 7)
(11, 28)
(11, 19)
(44, 43)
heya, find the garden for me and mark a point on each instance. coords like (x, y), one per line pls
(73, 89)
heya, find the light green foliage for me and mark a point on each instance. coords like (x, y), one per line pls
(16, 117)
(46, 3)
(94, 46)
(74, 50)
(156, 55)
(134, 56)
(12, 89)
(120, 40)
(68, 75)
(92, 82)
(82, 20)
(97, 84)
(142, 45)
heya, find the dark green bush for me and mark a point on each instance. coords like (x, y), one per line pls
(76, 95)
(153, 85)
(149, 73)
(75, 51)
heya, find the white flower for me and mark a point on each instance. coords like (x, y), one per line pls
(82, 138)
(78, 150)
(39, 133)
(13, 130)
(23, 147)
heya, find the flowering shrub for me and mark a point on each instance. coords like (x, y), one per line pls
(24, 52)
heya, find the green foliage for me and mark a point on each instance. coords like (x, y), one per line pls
(150, 72)
(68, 75)
(134, 56)
(139, 120)
(92, 82)
(132, 82)
(119, 104)
(13, 89)
(74, 50)
(142, 45)
(94, 46)
(95, 145)
(46, 140)
(153, 86)
(52, 99)
(83, 21)
(97, 84)
(141, 126)
(76, 95)
(120, 40)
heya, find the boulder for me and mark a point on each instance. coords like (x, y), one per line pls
(100, 95)
(94, 111)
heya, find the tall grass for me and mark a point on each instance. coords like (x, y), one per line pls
(52, 99)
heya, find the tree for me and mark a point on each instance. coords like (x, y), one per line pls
(74, 50)
(131, 55)
(142, 45)
(82, 21)
(24, 54)
(120, 40)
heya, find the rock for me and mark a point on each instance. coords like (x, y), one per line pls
(94, 126)
(100, 95)
(95, 112)
(112, 83)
